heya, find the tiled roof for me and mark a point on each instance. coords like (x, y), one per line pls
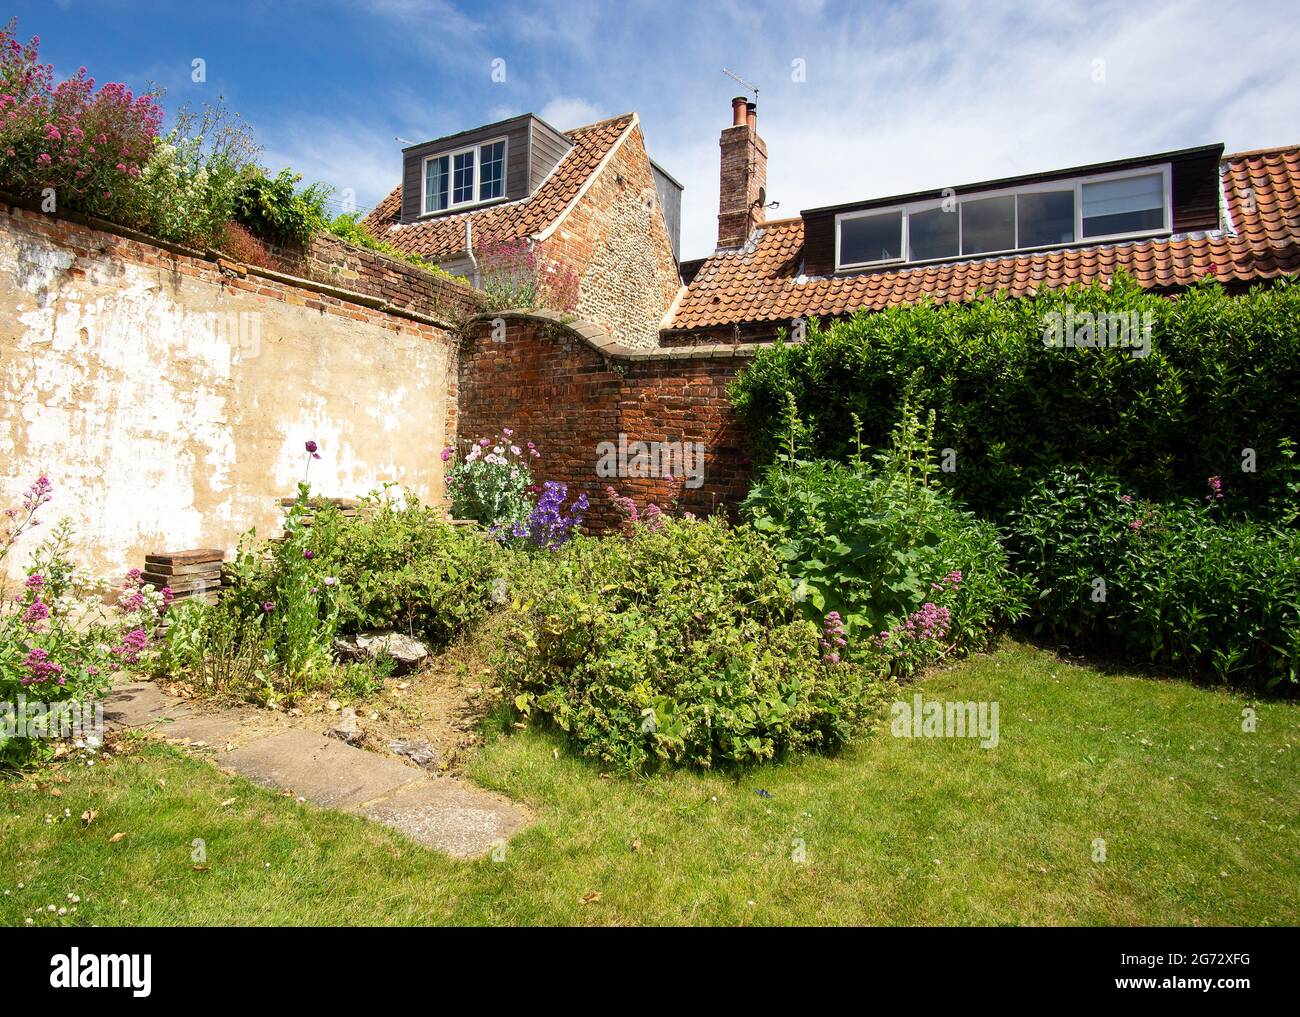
(759, 283)
(445, 236)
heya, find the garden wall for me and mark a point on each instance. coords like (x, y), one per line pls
(569, 387)
(332, 260)
(168, 395)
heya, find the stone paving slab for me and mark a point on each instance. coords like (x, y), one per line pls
(463, 822)
(322, 770)
(438, 812)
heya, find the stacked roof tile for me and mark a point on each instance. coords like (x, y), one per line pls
(761, 283)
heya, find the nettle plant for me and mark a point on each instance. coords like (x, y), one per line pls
(493, 481)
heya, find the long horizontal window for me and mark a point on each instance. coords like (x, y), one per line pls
(467, 176)
(1051, 214)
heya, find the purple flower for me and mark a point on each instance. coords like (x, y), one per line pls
(311, 446)
(309, 554)
(446, 454)
(268, 606)
(36, 613)
(35, 581)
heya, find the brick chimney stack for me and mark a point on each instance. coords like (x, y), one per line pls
(744, 175)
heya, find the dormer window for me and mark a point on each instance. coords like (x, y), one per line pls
(468, 176)
(1113, 206)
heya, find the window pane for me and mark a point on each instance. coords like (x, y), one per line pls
(1046, 218)
(933, 234)
(1124, 206)
(435, 184)
(871, 238)
(492, 171)
(988, 224)
(462, 178)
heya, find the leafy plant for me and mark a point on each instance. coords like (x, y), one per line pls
(403, 566)
(679, 644)
(275, 209)
(492, 482)
(1166, 582)
(874, 545)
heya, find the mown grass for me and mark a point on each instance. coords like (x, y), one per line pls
(1199, 820)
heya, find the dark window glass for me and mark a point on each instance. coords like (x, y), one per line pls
(988, 224)
(462, 178)
(435, 184)
(933, 234)
(1045, 218)
(492, 171)
(1129, 205)
(871, 238)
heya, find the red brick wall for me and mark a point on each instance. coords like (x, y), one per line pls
(332, 260)
(554, 388)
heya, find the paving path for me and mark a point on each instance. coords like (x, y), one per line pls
(439, 812)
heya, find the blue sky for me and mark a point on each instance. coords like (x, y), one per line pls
(896, 96)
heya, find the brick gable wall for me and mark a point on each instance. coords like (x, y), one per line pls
(615, 241)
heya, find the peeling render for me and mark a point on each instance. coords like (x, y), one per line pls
(169, 405)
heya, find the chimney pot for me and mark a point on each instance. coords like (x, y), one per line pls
(751, 115)
(738, 107)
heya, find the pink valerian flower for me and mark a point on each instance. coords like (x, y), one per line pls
(36, 613)
(447, 453)
(1126, 498)
(1216, 489)
(35, 581)
(40, 668)
(133, 644)
(1136, 524)
(833, 638)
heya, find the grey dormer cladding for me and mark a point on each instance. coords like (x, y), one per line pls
(670, 202)
(533, 148)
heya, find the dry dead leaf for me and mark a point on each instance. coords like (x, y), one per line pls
(591, 897)
(199, 868)
(229, 801)
(88, 817)
(56, 792)
(636, 844)
(116, 837)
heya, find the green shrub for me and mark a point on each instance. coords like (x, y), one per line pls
(1169, 583)
(403, 566)
(881, 545)
(680, 643)
(273, 208)
(347, 226)
(1220, 379)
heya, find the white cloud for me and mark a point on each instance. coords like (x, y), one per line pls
(568, 113)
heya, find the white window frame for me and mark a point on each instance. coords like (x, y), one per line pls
(450, 156)
(1065, 184)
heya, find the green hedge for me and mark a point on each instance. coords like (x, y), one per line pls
(1221, 376)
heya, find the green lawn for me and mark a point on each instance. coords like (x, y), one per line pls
(1200, 822)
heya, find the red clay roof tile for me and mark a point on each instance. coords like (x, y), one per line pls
(444, 236)
(759, 283)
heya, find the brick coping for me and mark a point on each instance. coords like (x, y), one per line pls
(11, 203)
(599, 339)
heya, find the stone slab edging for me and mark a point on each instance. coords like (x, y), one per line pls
(443, 813)
(12, 202)
(599, 339)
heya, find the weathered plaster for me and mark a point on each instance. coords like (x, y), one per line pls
(169, 410)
